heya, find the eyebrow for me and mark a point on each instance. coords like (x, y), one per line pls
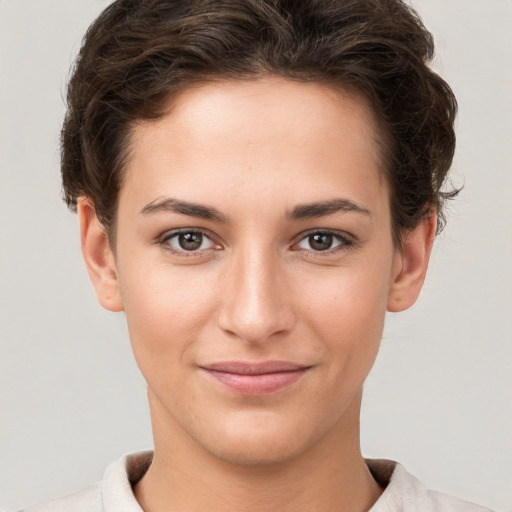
(303, 211)
(312, 210)
(183, 207)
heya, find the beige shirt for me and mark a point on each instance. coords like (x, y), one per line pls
(402, 493)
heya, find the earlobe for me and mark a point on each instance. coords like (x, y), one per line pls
(98, 257)
(411, 265)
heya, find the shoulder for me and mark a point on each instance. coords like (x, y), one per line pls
(445, 502)
(405, 493)
(112, 494)
(86, 500)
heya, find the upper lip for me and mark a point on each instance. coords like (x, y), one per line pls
(254, 368)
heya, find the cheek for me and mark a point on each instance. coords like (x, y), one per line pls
(346, 312)
(347, 301)
(165, 311)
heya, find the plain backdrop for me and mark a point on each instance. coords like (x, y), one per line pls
(439, 399)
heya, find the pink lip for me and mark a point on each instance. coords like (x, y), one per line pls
(253, 379)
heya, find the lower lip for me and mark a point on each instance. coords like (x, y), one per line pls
(256, 385)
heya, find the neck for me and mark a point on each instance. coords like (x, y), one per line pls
(331, 475)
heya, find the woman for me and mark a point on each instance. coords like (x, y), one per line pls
(257, 182)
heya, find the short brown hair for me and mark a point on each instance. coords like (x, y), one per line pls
(138, 52)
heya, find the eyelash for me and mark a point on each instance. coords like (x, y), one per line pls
(345, 242)
(169, 235)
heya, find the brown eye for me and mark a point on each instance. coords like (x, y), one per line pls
(323, 241)
(188, 241)
(320, 241)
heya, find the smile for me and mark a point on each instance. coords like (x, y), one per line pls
(255, 379)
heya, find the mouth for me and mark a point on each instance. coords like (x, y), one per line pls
(255, 379)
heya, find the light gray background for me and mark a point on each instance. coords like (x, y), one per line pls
(71, 399)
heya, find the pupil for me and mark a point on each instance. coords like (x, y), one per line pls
(190, 241)
(320, 242)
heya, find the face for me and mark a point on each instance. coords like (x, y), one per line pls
(255, 262)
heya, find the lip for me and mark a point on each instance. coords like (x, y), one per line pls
(255, 379)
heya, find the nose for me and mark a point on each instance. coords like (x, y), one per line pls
(256, 303)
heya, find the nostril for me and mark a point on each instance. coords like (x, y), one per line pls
(258, 328)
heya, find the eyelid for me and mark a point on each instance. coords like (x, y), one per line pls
(172, 233)
(347, 241)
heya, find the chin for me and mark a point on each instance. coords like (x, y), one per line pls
(269, 452)
(265, 442)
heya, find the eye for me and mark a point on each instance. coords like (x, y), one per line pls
(322, 241)
(190, 241)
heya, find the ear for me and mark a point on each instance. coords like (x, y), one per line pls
(411, 265)
(99, 258)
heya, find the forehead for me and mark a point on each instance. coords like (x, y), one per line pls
(255, 134)
(268, 105)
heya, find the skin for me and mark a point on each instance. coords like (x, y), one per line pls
(256, 289)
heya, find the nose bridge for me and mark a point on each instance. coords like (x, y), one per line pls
(255, 304)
